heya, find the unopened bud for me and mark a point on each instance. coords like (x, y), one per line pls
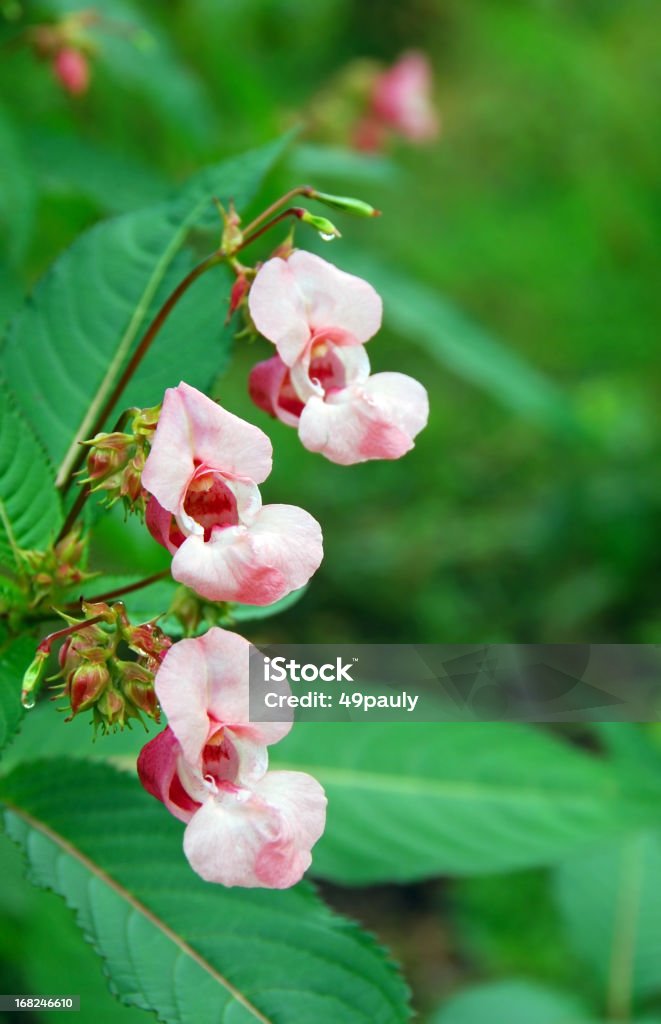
(345, 203)
(31, 679)
(137, 685)
(71, 69)
(86, 686)
(326, 229)
(111, 709)
(240, 289)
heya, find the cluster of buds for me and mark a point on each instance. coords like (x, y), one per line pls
(57, 569)
(67, 46)
(96, 671)
(116, 461)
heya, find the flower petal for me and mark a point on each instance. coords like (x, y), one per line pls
(191, 430)
(157, 769)
(267, 385)
(291, 300)
(374, 420)
(256, 564)
(260, 838)
(208, 677)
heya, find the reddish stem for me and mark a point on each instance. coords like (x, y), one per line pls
(59, 634)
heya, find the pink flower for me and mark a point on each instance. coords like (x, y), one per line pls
(319, 319)
(71, 69)
(402, 99)
(245, 825)
(206, 509)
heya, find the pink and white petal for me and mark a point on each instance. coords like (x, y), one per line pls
(301, 802)
(159, 522)
(227, 658)
(355, 361)
(334, 299)
(267, 386)
(256, 564)
(374, 420)
(157, 770)
(192, 430)
(260, 838)
(278, 309)
(170, 463)
(183, 685)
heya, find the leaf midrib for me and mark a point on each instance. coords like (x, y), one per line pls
(135, 904)
(126, 341)
(442, 788)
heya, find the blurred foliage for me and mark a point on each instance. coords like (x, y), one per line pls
(534, 214)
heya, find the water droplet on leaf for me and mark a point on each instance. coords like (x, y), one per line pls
(28, 699)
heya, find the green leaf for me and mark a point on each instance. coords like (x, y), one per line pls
(72, 340)
(514, 1002)
(191, 951)
(611, 903)
(16, 193)
(426, 318)
(44, 950)
(410, 801)
(30, 510)
(14, 659)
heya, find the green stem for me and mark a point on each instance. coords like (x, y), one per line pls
(110, 595)
(300, 190)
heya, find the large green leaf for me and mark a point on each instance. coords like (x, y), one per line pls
(611, 903)
(68, 346)
(30, 510)
(191, 951)
(424, 317)
(413, 800)
(511, 1002)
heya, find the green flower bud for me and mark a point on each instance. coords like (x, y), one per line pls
(346, 203)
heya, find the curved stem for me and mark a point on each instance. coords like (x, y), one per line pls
(138, 356)
(300, 190)
(293, 211)
(110, 595)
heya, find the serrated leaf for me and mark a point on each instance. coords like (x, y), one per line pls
(514, 1002)
(611, 904)
(14, 659)
(30, 511)
(424, 317)
(68, 346)
(409, 801)
(192, 952)
(17, 198)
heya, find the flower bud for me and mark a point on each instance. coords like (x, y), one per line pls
(148, 640)
(32, 677)
(110, 709)
(326, 229)
(71, 69)
(137, 685)
(240, 289)
(86, 685)
(345, 203)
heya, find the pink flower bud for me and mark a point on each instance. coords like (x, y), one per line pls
(240, 289)
(86, 686)
(111, 709)
(71, 69)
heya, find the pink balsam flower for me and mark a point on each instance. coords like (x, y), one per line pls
(205, 507)
(245, 826)
(319, 319)
(402, 98)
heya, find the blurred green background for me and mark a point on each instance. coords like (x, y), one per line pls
(530, 507)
